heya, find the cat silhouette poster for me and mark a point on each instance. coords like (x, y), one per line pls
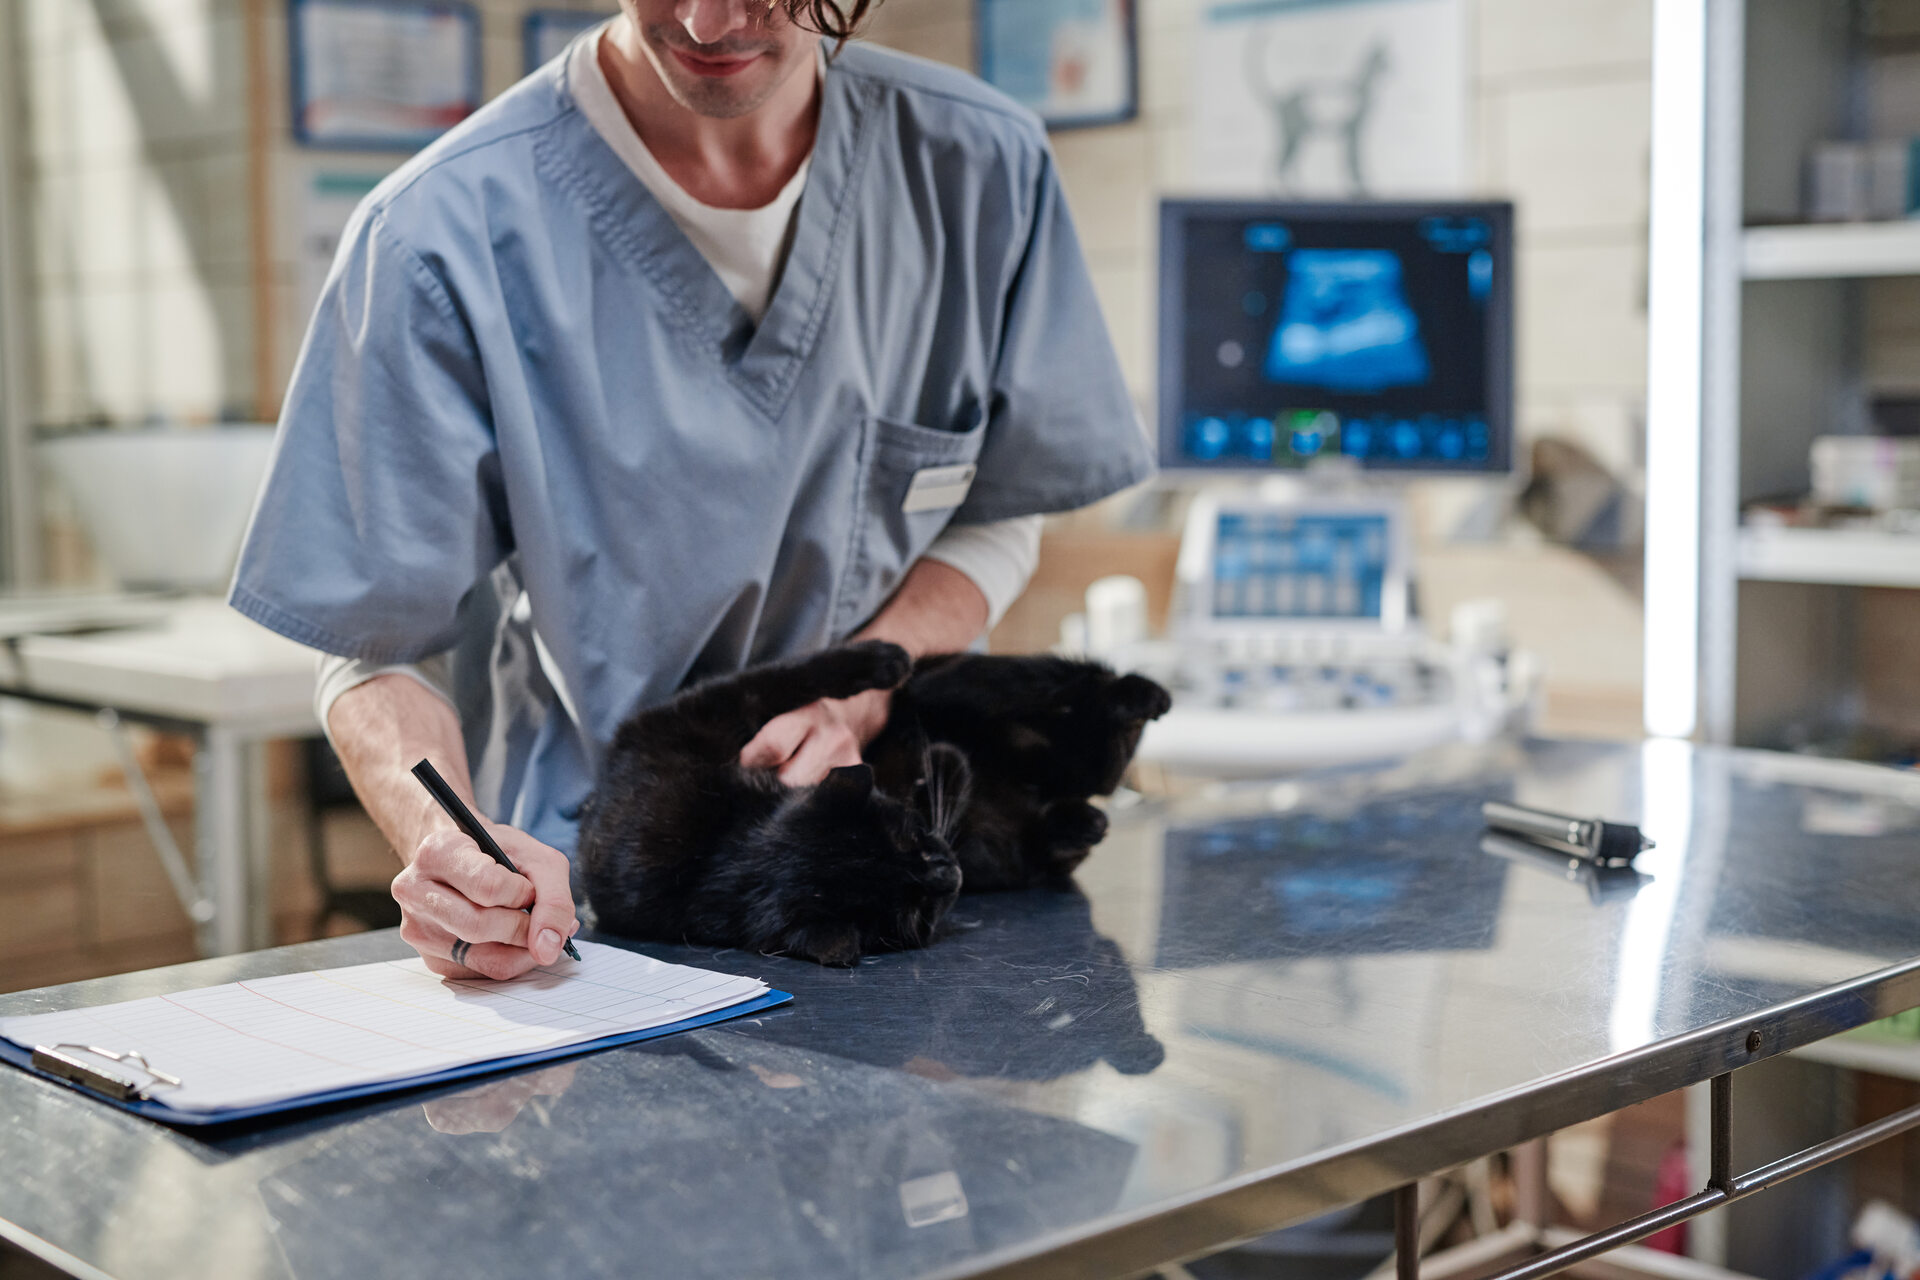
(1331, 99)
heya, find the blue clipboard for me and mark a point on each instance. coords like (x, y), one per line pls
(22, 1057)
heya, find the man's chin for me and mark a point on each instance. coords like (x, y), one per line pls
(719, 96)
(719, 99)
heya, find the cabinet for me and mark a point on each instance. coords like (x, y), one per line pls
(1804, 330)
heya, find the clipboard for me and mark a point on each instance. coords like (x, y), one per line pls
(123, 1078)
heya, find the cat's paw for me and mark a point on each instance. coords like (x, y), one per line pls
(836, 946)
(1072, 828)
(856, 668)
(1074, 825)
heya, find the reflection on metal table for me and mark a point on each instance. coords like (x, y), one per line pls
(1263, 1004)
(192, 665)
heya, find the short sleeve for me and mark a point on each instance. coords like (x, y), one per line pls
(1062, 431)
(383, 504)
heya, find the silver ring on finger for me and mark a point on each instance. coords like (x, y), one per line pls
(459, 953)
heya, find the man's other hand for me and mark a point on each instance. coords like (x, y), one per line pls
(462, 911)
(803, 745)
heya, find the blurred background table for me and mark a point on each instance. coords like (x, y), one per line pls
(188, 664)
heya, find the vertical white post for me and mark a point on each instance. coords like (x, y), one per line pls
(1675, 349)
(19, 535)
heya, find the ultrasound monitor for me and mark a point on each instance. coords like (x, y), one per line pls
(1379, 332)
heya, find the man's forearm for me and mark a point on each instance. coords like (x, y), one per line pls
(937, 609)
(380, 728)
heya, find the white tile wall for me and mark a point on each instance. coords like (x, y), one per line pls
(45, 25)
(1583, 321)
(186, 370)
(1552, 37)
(113, 350)
(1125, 293)
(1108, 178)
(107, 129)
(58, 380)
(1573, 156)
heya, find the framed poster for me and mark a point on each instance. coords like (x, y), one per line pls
(1075, 62)
(545, 32)
(1337, 99)
(382, 75)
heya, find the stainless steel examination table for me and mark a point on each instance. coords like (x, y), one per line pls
(1264, 1003)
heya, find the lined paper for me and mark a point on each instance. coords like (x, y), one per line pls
(269, 1040)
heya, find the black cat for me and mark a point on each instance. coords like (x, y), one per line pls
(1042, 735)
(681, 843)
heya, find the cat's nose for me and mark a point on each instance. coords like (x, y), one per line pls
(944, 877)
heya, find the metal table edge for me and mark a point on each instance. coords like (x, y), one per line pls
(51, 1254)
(1254, 1204)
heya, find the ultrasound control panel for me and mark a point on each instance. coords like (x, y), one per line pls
(1277, 564)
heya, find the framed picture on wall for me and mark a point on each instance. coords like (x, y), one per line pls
(382, 75)
(1075, 62)
(545, 32)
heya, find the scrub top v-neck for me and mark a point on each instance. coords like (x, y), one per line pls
(532, 426)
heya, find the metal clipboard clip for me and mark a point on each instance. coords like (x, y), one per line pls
(103, 1080)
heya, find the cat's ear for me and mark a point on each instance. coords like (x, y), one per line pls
(829, 944)
(852, 783)
(1134, 697)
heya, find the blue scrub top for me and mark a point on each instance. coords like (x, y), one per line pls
(530, 424)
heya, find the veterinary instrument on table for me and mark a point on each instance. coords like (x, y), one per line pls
(1608, 844)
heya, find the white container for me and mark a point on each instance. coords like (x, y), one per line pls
(164, 507)
(1881, 472)
(1837, 182)
(1116, 614)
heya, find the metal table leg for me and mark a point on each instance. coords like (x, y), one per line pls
(259, 835)
(1406, 1232)
(220, 839)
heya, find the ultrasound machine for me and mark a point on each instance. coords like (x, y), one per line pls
(1312, 355)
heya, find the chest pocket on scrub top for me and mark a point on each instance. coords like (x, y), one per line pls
(912, 478)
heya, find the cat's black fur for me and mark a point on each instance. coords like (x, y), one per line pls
(1042, 734)
(681, 843)
(980, 779)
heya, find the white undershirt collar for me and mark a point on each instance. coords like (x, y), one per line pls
(745, 247)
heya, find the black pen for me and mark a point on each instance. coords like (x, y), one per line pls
(463, 818)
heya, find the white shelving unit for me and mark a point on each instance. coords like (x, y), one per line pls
(1785, 331)
(1824, 251)
(1783, 339)
(1839, 557)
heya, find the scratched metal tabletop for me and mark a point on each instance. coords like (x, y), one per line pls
(1264, 1002)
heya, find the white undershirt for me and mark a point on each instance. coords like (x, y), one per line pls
(746, 249)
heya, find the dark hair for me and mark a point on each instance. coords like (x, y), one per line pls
(835, 19)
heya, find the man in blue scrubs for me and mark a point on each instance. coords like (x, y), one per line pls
(696, 349)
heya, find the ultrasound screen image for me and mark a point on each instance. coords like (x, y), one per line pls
(1345, 324)
(1372, 337)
